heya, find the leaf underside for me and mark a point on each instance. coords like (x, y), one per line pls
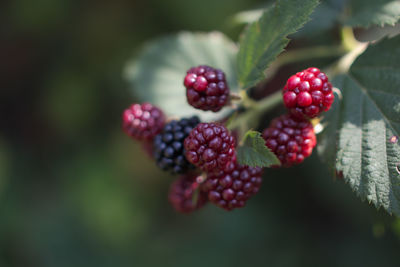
(360, 139)
(254, 152)
(265, 38)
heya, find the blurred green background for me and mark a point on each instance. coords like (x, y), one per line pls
(75, 191)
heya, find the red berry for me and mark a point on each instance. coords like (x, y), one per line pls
(308, 93)
(185, 195)
(210, 146)
(206, 88)
(142, 121)
(232, 186)
(290, 138)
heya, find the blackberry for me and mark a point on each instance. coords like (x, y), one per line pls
(206, 88)
(168, 145)
(290, 138)
(143, 121)
(185, 196)
(232, 186)
(308, 93)
(210, 146)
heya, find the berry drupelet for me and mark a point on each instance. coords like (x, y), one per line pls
(168, 150)
(143, 121)
(232, 186)
(291, 139)
(210, 146)
(308, 93)
(185, 196)
(206, 88)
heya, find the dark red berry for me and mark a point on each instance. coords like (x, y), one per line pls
(210, 146)
(185, 195)
(142, 121)
(232, 186)
(308, 93)
(168, 148)
(290, 138)
(206, 88)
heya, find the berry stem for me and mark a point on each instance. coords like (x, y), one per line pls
(254, 110)
(269, 102)
(303, 54)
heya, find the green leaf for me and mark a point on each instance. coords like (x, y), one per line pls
(266, 38)
(360, 139)
(324, 18)
(157, 74)
(254, 152)
(373, 12)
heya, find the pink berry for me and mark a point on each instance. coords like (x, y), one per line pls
(143, 121)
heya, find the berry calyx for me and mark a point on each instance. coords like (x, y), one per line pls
(210, 146)
(291, 139)
(168, 150)
(232, 186)
(142, 121)
(206, 88)
(185, 195)
(308, 93)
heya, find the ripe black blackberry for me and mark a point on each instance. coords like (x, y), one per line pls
(206, 88)
(210, 146)
(232, 186)
(291, 139)
(185, 195)
(168, 148)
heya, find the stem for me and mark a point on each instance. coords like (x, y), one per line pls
(311, 52)
(303, 54)
(269, 102)
(254, 110)
(344, 63)
(348, 40)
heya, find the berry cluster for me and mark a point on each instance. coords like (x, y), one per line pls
(205, 153)
(291, 136)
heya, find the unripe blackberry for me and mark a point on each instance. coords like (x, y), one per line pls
(185, 195)
(308, 93)
(168, 147)
(143, 121)
(232, 186)
(291, 139)
(210, 146)
(206, 88)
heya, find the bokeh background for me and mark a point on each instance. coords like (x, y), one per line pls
(75, 191)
